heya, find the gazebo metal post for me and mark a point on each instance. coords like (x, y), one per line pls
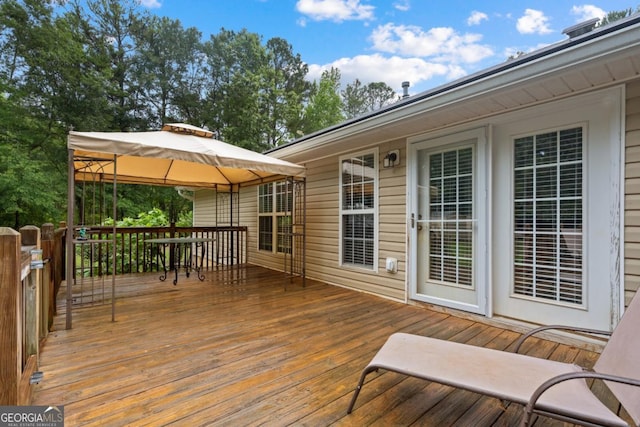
(231, 242)
(113, 236)
(69, 274)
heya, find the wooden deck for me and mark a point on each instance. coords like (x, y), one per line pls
(247, 347)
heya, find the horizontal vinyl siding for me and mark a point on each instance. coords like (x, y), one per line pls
(204, 211)
(632, 192)
(322, 222)
(323, 260)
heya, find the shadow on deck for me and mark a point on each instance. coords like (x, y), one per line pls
(249, 347)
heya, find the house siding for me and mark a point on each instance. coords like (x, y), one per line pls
(632, 192)
(204, 212)
(322, 226)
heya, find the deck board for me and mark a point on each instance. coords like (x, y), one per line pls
(249, 347)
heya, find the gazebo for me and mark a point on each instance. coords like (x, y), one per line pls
(179, 155)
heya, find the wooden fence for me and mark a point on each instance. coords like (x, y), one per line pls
(30, 274)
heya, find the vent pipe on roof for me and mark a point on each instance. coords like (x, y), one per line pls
(405, 89)
(581, 28)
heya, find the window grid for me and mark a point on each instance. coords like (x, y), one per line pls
(451, 217)
(358, 203)
(284, 206)
(548, 213)
(275, 204)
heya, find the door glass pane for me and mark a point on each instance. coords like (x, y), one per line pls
(451, 216)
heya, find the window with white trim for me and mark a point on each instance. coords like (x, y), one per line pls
(358, 207)
(548, 216)
(275, 203)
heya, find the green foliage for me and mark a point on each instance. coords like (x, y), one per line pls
(185, 219)
(162, 62)
(153, 218)
(360, 99)
(27, 165)
(616, 15)
(108, 65)
(325, 105)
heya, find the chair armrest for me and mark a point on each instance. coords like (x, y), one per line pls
(529, 408)
(532, 332)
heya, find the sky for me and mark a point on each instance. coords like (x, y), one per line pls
(425, 42)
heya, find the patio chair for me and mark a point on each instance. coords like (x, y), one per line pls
(550, 388)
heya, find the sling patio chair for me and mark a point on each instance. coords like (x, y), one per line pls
(554, 389)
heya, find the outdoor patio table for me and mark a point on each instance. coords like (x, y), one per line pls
(182, 247)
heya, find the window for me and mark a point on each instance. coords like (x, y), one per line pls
(548, 214)
(275, 203)
(358, 204)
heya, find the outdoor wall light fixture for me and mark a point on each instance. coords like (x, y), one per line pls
(391, 159)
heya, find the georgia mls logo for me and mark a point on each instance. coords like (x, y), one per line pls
(31, 416)
(55, 410)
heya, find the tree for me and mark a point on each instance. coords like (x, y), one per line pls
(231, 103)
(379, 94)
(358, 99)
(163, 58)
(616, 15)
(255, 94)
(31, 193)
(283, 92)
(325, 105)
(110, 29)
(42, 96)
(354, 99)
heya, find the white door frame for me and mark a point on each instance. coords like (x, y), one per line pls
(482, 206)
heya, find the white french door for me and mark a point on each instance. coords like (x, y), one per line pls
(448, 221)
(556, 213)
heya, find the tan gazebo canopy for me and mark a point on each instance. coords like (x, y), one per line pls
(177, 155)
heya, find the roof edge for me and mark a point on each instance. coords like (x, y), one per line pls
(473, 78)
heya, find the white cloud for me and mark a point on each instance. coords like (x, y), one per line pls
(476, 18)
(533, 22)
(442, 43)
(391, 70)
(586, 12)
(151, 4)
(335, 10)
(402, 5)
